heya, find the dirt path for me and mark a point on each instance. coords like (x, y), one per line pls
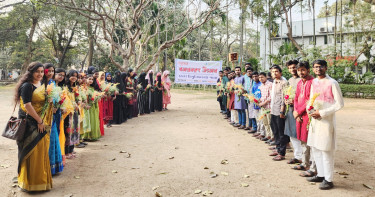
(171, 149)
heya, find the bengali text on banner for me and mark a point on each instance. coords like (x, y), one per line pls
(197, 72)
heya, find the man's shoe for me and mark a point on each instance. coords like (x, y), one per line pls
(272, 143)
(247, 128)
(315, 179)
(251, 132)
(264, 139)
(241, 127)
(237, 125)
(325, 185)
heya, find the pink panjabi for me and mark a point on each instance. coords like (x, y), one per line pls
(300, 102)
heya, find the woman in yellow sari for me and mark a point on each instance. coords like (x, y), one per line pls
(34, 172)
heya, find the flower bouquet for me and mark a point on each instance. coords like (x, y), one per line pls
(263, 113)
(112, 89)
(239, 90)
(252, 98)
(128, 95)
(289, 93)
(312, 107)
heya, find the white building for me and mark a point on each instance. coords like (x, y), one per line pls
(324, 31)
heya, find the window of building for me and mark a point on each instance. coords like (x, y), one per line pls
(325, 39)
(311, 40)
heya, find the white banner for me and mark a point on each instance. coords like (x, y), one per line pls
(197, 72)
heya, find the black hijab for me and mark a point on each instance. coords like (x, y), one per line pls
(142, 80)
(118, 79)
(159, 81)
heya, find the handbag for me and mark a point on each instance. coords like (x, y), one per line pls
(15, 127)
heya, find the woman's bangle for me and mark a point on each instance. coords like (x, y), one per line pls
(41, 122)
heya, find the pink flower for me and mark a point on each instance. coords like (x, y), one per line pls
(311, 108)
(286, 97)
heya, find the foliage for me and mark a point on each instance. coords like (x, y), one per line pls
(254, 62)
(358, 91)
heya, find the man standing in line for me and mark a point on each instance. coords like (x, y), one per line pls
(290, 121)
(248, 87)
(322, 130)
(239, 101)
(257, 95)
(302, 118)
(225, 96)
(220, 92)
(264, 102)
(277, 113)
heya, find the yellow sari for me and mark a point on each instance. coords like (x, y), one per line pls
(34, 170)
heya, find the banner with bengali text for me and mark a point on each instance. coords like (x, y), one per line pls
(197, 72)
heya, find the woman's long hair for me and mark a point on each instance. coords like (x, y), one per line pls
(67, 81)
(91, 70)
(27, 77)
(60, 70)
(47, 66)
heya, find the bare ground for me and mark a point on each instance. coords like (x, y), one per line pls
(170, 150)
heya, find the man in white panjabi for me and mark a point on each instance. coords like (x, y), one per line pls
(322, 129)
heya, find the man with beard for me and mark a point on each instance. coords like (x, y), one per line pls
(322, 130)
(302, 119)
(290, 121)
(239, 101)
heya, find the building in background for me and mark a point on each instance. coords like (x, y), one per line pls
(324, 31)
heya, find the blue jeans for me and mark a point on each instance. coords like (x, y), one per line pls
(242, 117)
(253, 123)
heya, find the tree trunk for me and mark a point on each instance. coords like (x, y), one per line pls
(241, 34)
(63, 55)
(303, 39)
(28, 57)
(335, 51)
(91, 41)
(341, 38)
(314, 37)
(269, 33)
(227, 34)
(290, 33)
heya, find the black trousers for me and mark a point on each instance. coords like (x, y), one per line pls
(281, 140)
(220, 100)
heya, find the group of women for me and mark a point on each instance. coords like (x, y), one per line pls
(65, 110)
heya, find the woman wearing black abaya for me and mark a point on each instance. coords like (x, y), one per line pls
(124, 78)
(158, 93)
(119, 101)
(135, 96)
(151, 95)
(130, 89)
(141, 94)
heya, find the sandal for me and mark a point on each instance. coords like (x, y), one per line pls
(278, 158)
(307, 173)
(294, 161)
(299, 167)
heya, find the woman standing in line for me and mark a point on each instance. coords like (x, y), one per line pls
(34, 170)
(167, 89)
(54, 153)
(158, 93)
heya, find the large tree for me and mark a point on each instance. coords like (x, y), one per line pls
(129, 26)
